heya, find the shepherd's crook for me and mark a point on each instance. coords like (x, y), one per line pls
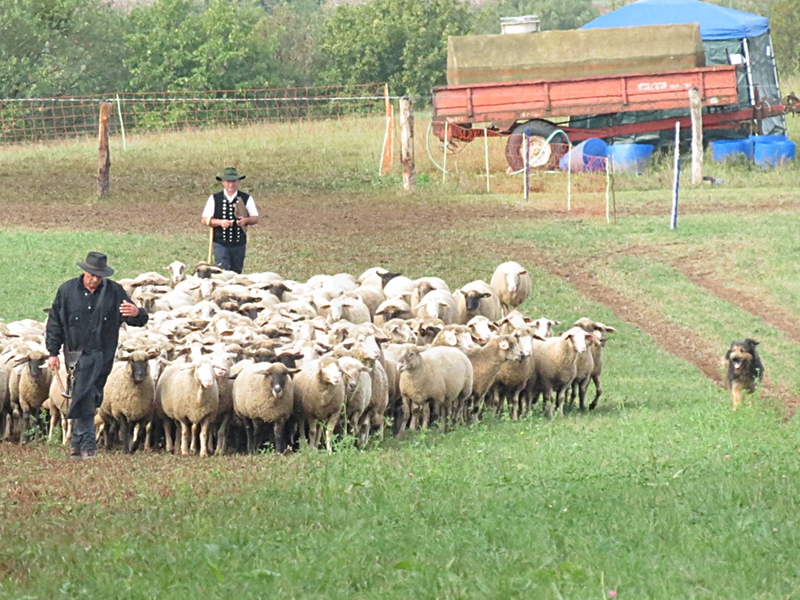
(210, 243)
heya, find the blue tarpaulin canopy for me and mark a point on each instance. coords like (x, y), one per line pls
(716, 22)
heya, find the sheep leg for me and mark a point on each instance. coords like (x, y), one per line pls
(547, 403)
(401, 417)
(168, 440)
(55, 417)
(582, 389)
(560, 396)
(6, 427)
(204, 428)
(513, 404)
(23, 436)
(426, 415)
(280, 438)
(125, 434)
(138, 434)
(363, 432)
(66, 430)
(222, 435)
(598, 390)
(249, 430)
(332, 420)
(195, 431)
(312, 433)
(186, 434)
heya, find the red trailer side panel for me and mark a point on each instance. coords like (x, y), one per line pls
(511, 101)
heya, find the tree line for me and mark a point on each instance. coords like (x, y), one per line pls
(82, 47)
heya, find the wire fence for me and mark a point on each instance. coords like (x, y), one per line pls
(45, 119)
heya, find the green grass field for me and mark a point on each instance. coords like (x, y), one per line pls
(663, 492)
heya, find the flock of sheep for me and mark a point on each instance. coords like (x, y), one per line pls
(237, 361)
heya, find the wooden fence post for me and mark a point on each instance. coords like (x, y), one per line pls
(104, 158)
(407, 145)
(696, 107)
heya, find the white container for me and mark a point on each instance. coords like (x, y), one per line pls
(525, 24)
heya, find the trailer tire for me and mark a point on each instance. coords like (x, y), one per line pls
(541, 157)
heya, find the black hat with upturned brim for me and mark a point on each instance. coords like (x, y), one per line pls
(96, 264)
(230, 174)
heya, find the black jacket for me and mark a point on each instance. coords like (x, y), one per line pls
(70, 319)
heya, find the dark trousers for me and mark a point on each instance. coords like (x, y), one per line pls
(230, 258)
(91, 374)
(83, 435)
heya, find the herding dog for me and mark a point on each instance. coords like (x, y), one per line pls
(744, 369)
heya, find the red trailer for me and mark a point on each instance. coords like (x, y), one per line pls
(542, 106)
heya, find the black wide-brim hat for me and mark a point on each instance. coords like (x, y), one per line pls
(230, 174)
(96, 264)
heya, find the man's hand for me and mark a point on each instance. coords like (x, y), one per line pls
(128, 309)
(53, 363)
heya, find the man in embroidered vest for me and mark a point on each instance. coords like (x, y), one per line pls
(84, 320)
(229, 212)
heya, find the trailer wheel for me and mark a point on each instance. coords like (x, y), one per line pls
(542, 155)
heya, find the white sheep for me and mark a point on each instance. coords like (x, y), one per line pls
(263, 393)
(513, 377)
(177, 272)
(425, 285)
(512, 284)
(456, 336)
(319, 397)
(376, 277)
(350, 309)
(188, 393)
(439, 304)
(399, 332)
(358, 393)
(486, 363)
(440, 376)
(426, 329)
(129, 399)
(600, 332)
(365, 346)
(29, 387)
(478, 298)
(57, 403)
(393, 308)
(556, 359)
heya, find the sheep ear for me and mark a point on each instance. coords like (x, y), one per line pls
(21, 361)
(485, 295)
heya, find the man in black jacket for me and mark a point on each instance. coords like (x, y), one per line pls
(85, 319)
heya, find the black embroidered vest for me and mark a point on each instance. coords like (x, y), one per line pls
(233, 235)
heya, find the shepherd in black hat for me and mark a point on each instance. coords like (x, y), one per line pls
(229, 213)
(85, 319)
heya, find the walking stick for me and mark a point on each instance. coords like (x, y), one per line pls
(210, 243)
(67, 395)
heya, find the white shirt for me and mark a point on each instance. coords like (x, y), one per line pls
(208, 211)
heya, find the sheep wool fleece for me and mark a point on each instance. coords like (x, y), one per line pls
(71, 320)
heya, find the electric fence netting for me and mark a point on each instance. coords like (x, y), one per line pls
(46, 119)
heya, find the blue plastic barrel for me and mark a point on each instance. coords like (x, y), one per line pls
(589, 155)
(630, 158)
(771, 154)
(769, 139)
(722, 150)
